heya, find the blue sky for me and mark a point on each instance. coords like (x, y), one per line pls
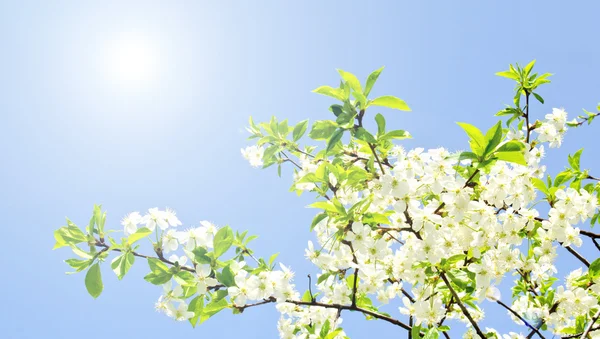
(72, 136)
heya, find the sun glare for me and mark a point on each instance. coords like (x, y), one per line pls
(132, 62)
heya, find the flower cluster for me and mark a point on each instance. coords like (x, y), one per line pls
(154, 217)
(553, 127)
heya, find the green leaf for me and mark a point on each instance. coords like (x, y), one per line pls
(361, 98)
(477, 141)
(158, 278)
(575, 160)
(222, 241)
(322, 129)
(380, 124)
(494, 137)
(529, 66)
(121, 264)
(512, 146)
(81, 252)
(336, 93)
(371, 81)
(333, 334)
(375, 218)
(508, 74)
(351, 80)
(272, 258)
(540, 185)
(78, 265)
(416, 332)
(432, 333)
(512, 151)
(68, 235)
(396, 134)
(306, 297)
(139, 234)
(337, 136)
(196, 306)
(364, 135)
(336, 109)
(299, 129)
(325, 329)
(226, 277)
(214, 307)
(562, 178)
(325, 205)
(200, 255)
(594, 270)
(390, 102)
(538, 97)
(157, 266)
(185, 278)
(318, 218)
(514, 157)
(93, 281)
(468, 156)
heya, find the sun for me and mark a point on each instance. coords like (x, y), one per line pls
(132, 62)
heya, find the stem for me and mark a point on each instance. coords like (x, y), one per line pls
(336, 306)
(160, 257)
(437, 210)
(527, 115)
(552, 309)
(290, 160)
(520, 318)
(354, 260)
(589, 327)
(462, 307)
(377, 158)
(577, 255)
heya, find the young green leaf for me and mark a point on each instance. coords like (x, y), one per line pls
(364, 135)
(380, 124)
(121, 264)
(529, 67)
(222, 241)
(299, 129)
(575, 160)
(93, 281)
(396, 134)
(390, 102)
(594, 270)
(336, 93)
(494, 137)
(318, 218)
(351, 80)
(226, 277)
(322, 129)
(337, 136)
(371, 81)
(139, 234)
(432, 333)
(477, 141)
(196, 306)
(508, 74)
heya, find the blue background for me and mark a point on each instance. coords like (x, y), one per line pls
(69, 138)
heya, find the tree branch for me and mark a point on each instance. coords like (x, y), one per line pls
(462, 307)
(589, 327)
(520, 318)
(335, 306)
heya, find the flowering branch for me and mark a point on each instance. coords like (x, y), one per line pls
(335, 306)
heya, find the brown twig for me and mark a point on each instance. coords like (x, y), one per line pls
(462, 307)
